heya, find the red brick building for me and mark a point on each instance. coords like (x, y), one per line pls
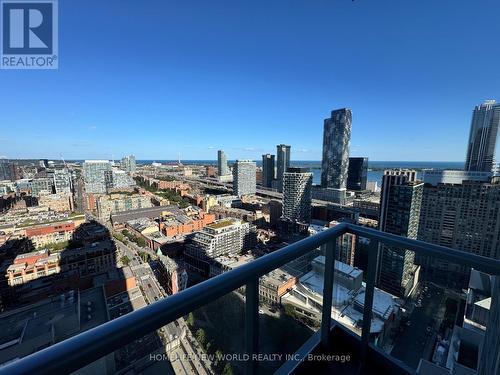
(184, 224)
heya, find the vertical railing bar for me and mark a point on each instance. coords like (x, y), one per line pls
(328, 292)
(252, 324)
(370, 291)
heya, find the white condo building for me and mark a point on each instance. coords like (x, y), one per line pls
(244, 178)
(297, 183)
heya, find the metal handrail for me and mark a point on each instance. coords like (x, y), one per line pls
(86, 347)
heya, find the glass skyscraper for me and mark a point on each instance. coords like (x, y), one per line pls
(336, 140)
(357, 174)
(128, 163)
(96, 174)
(483, 137)
(267, 170)
(282, 164)
(222, 168)
(400, 205)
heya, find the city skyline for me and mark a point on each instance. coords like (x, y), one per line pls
(255, 78)
(229, 187)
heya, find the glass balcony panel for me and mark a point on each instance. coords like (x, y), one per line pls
(442, 320)
(290, 306)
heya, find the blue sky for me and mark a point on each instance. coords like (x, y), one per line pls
(157, 78)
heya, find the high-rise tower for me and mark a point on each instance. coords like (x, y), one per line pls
(96, 176)
(357, 174)
(267, 170)
(222, 168)
(400, 205)
(282, 164)
(297, 183)
(483, 137)
(336, 140)
(244, 177)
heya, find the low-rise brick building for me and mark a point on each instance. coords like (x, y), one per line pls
(46, 234)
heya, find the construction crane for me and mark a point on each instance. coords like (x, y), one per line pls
(64, 162)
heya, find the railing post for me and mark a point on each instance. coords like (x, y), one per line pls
(252, 324)
(370, 291)
(328, 292)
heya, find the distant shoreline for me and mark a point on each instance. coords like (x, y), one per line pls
(374, 165)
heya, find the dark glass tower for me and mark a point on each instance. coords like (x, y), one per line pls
(400, 204)
(357, 173)
(336, 140)
(267, 170)
(283, 162)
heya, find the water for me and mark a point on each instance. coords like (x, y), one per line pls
(372, 176)
(375, 168)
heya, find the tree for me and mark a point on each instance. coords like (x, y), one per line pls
(184, 203)
(201, 337)
(209, 345)
(140, 241)
(227, 370)
(190, 320)
(144, 256)
(290, 311)
(217, 358)
(57, 246)
(125, 260)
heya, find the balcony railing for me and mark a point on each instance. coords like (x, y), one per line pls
(85, 348)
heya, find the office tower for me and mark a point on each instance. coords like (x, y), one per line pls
(483, 137)
(297, 183)
(97, 175)
(61, 180)
(222, 168)
(282, 164)
(336, 139)
(460, 210)
(244, 178)
(357, 173)
(400, 204)
(128, 164)
(8, 170)
(267, 170)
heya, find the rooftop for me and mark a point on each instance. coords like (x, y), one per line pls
(142, 224)
(150, 212)
(221, 224)
(28, 328)
(233, 262)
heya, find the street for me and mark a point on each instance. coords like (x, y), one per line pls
(417, 339)
(189, 356)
